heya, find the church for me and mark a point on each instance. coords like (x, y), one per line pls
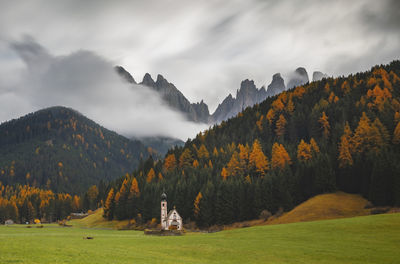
(171, 220)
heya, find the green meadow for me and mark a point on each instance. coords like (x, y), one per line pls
(366, 239)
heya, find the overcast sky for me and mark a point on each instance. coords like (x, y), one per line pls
(204, 47)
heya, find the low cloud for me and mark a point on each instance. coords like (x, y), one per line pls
(88, 83)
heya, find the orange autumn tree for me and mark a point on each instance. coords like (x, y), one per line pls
(224, 173)
(202, 152)
(244, 156)
(170, 162)
(304, 151)
(280, 126)
(233, 166)
(150, 175)
(325, 126)
(134, 190)
(396, 134)
(280, 158)
(186, 158)
(197, 204)
(108, 206)
(257, 159)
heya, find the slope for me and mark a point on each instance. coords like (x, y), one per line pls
(325, 206)
(59, 149)
(335, 134)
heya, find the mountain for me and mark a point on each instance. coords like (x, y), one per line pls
(277, 85)
(318, 76)
(197, 112)
(337, 134)
(62, 150)
(298, 77)
(246, 96)
(159, 146)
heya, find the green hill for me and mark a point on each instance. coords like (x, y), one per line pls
(60, 149)
(337, 134)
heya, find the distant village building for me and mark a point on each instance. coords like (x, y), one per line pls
(9, 222)
(171, 220)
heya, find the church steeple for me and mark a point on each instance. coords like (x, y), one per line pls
(164, 211)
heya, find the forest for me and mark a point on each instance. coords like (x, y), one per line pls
(61, 150)
(335, 134)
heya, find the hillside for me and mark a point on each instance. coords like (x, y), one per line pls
(59, 149)
(334, 134)
(325, 206)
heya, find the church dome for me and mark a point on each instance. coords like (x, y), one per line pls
(163, 196)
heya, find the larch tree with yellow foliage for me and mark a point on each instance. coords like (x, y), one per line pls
(280, 157)
(257, 159)
(325, 126)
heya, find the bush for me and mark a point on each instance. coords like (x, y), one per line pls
(265, 214)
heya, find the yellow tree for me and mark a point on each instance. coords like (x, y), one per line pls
(304, 151)
(195, 164)
(243, 156)
(224, 173)
(314, 145)
(362, 133)
(202, 152)
(280, 126)
(150, 175)
(345, 158)
(186, 158)
(280, 158)
(170, 162)
(197, 204)
(324, 121)
(215, 152)
(233, 165)
(108, 206)
(134, 190)
(396, 134)
(258, 160)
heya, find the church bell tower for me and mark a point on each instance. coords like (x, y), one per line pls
(164, 211)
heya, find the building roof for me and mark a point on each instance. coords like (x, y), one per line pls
(173, 210)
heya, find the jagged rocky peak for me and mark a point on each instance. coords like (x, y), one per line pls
(202, 112)
(276, 86)
(317, 76)
(125, 74)
(298, 77)
(147, 80)
(161, 80)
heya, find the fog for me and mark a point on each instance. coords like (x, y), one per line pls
(89, 84)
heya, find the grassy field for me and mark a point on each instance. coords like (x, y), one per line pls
(365, 239)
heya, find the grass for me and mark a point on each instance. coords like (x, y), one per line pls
(365, 239)
(325, 206)
(96, 220)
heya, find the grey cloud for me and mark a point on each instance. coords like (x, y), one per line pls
(207, 47)
(88, 83)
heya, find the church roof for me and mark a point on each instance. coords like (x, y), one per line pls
(173, 210)
(163, 196)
